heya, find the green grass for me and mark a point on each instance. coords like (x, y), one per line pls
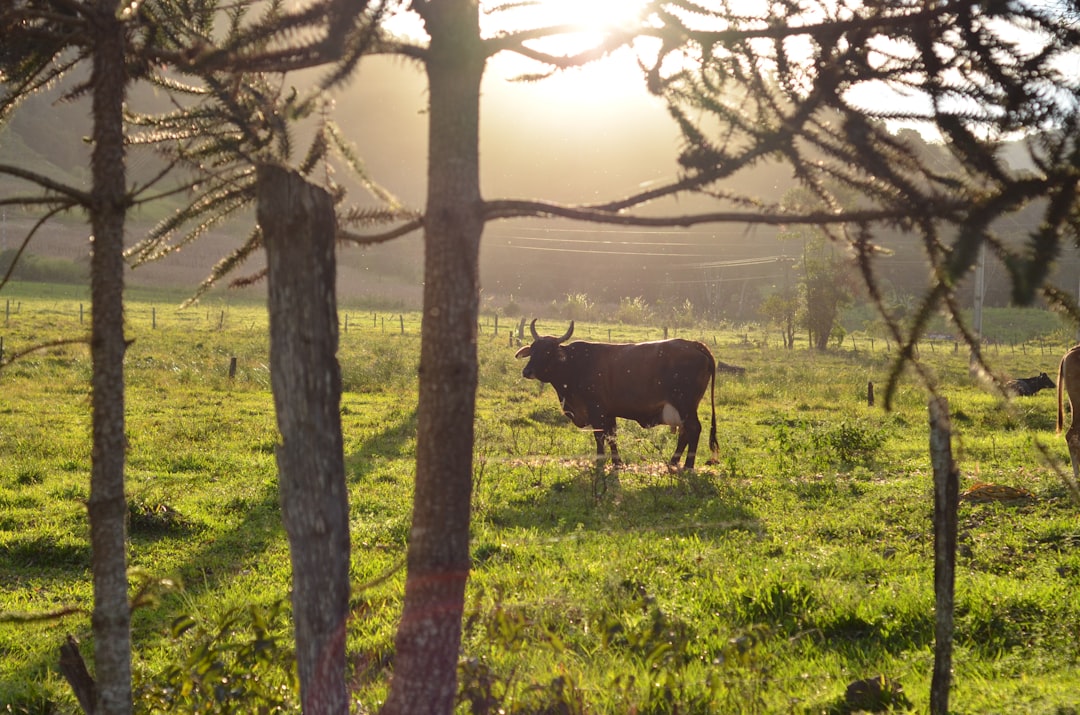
(765, 583)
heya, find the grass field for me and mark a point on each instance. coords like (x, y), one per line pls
(766, 583)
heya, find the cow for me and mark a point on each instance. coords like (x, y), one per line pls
(1069, 384)
(652, 383)
(1028, 386)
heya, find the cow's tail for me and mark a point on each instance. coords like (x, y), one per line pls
(1060, 383)
(714, 446)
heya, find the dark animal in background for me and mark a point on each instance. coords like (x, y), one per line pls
(1028, 386)
(1069, 384)
(730, 369)
(652, 383)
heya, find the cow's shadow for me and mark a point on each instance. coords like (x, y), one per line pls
(580, 495)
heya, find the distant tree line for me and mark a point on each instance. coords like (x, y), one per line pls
(42, 269)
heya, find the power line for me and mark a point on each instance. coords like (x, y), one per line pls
(606, 253)
(621, 231)
(605, 242)
(737, 262)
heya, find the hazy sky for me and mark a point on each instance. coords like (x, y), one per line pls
(586, 134)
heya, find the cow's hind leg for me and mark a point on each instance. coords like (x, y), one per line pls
(689, 437)
(1072, 439)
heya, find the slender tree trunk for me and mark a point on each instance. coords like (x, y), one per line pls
(298, 228)
(107, 505)
(946, 497)
(429, 635)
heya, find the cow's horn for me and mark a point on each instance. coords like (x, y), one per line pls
(532, 327)
(569, 332)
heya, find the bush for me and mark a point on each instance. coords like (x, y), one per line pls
(577, 306)
(633, 311)
(242, 663)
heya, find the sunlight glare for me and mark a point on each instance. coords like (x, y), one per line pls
(586, 22)
(591, 20)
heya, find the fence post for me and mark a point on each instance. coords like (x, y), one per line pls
(153, 317)
(401, 319)
(346, 322)
(232, 367)
(869, 394)
(80, 313)
(1, 349)
(946, 496)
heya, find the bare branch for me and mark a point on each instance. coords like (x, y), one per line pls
(85, 340)
(515, 43)
(503, 209)
(26, 242)
(373, 239)
(80, 197)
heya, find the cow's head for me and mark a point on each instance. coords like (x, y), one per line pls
(545, 354)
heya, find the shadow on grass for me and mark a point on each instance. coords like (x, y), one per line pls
(399, 430)
(637, 497)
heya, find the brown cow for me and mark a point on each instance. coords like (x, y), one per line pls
(652, 383)
(1069, 383)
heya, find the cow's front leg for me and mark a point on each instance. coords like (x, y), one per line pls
(598, 434)
(615, 459)
(605, 432)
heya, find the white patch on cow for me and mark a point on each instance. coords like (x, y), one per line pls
(670, 416)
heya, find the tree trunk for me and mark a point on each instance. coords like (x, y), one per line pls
(429, 635)
(107, 505)
(946, 499)
(298, 229)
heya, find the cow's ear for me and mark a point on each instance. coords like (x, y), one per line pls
(524, 352)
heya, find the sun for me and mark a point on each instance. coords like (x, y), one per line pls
(585, 24)
(590, 21)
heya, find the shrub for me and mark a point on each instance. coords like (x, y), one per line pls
(242, 663)
(633, 311)
(577, 306)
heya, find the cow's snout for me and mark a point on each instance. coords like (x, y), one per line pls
(527, 372)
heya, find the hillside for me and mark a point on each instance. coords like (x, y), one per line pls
(724, 270)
